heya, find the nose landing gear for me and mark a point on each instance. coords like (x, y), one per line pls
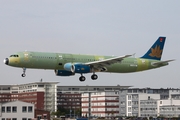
(24, 72)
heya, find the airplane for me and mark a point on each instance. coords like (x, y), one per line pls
(65, 64)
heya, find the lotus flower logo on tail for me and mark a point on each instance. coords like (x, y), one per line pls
(156, 52)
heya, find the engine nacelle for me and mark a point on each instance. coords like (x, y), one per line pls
(63, 73)
(69, 67)
(77, 68)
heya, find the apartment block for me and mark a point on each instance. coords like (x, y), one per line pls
(148, 102)
(101, 104)
(74, 97)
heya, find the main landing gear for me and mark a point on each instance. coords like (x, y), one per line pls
(24, 72)
(93, 77)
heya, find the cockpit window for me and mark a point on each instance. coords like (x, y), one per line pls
(14, 55)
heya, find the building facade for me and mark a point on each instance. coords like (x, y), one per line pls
(17, 110)
(72, 98)
(100, 104)
(42, 94)
(48, 96)
(148, 102)
(42, 114)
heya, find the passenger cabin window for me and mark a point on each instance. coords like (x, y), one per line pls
(14, 56)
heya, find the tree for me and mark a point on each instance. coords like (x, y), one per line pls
(78, 112)
(57, 113)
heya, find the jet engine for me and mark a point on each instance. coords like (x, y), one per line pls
(63, 73)
(77, 68)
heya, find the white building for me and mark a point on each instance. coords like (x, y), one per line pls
(149, 108)
(130, 103)
(164, 108)
(16, 110)
(100, 104)
(149, 102)
(169, 108)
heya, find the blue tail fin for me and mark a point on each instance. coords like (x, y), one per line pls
(156, 50)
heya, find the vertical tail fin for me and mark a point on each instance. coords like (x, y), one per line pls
(156, 50)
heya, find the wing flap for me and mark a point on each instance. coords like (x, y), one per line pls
(97, 65)
(108, 61)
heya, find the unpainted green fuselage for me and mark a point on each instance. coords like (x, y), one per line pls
(56, 61)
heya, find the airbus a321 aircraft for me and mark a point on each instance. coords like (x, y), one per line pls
(69, 64)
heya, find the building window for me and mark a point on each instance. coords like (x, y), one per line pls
(129, 114)
(40, 85)
(14, 109)
(8, 109)
(14, 118)
(24, 109)
(3, 119)
(45, 116)
(39, 117)
(30, 109)
(129, 109)
(3, 109)
(135, 91)
(129, 91)
(24, 118)
(129, 97)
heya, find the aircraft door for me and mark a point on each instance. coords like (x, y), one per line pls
(60, 61)
(26, 57)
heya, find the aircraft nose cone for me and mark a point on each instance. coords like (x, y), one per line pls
(6, 61)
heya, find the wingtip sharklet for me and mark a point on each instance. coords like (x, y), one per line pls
(129, 55)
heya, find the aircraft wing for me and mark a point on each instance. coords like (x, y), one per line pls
(162, 62)
(98, 65)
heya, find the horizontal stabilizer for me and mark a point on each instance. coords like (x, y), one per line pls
(162, 62)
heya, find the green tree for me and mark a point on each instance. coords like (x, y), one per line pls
(150, 118)
(78, 112)
(58, 113)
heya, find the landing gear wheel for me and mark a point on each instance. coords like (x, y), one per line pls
(23, 75)
(94, 77)
(82, 78)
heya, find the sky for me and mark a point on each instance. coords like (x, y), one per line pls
(96, 27)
